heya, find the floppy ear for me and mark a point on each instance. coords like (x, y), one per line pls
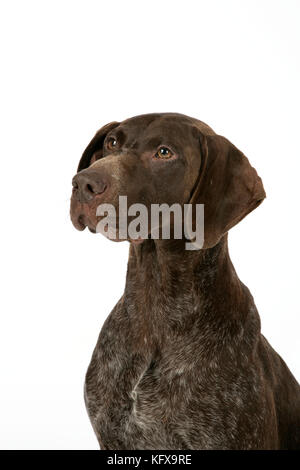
(228, 186)
(95, 145)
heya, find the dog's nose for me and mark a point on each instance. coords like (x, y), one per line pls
(87, 185)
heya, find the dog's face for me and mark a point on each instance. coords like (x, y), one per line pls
(165, 158)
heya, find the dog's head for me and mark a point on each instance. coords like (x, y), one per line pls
(165, 159)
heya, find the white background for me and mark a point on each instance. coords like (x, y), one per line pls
(69, 67)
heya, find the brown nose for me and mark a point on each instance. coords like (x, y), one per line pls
(87, 184)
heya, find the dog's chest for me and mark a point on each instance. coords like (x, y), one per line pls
(135, 403)
(141, 400)
(129, 404)
(133, 398)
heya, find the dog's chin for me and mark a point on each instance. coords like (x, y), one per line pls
(137, 241)
(116, 238)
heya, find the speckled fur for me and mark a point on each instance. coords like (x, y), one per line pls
(180, 362)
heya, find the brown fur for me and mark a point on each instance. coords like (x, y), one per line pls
(180, 362)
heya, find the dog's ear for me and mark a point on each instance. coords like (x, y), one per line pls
(227, 185)
(95, 144)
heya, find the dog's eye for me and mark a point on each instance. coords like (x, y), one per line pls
(111, 143)
(164, 152)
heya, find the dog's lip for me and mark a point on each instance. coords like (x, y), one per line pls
(79, 223)
(82, 221)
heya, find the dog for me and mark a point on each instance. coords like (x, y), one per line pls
(180, 362)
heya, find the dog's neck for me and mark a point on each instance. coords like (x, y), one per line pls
(168, 287)
(162, 264)
(167, 262)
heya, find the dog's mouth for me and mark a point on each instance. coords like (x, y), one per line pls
(84, 215)
(81, 224)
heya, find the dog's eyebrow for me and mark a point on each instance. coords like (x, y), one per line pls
(155, 142)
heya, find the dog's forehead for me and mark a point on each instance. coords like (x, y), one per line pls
(169, 125)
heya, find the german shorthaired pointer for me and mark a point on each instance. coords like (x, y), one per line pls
(181, 362)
